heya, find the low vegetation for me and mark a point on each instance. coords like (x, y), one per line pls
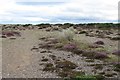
(65, 37)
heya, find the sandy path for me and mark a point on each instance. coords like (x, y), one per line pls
(18, 59)
(16, 53)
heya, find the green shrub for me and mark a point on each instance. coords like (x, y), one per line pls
(82, 32)
(85, 77)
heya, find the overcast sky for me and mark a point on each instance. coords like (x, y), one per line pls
(58, 11)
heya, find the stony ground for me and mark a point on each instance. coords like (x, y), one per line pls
(18, 61)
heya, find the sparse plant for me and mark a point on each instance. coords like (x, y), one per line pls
(98, 66)
(11, 33)
(89, 54)
(116, 52)
(82, 32)
(117, 65)
(53, 57)
(45, 59)
(101, 55)
(48, 29)
(99, 42)
(58, 46)
(77, 51)
(49, 67)
(70, 47)
(86, 77)
(66, 65)
(115, 38)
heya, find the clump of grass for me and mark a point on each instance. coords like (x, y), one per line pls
(66, 35)
(85, 77)
(117, 66)
(112, 58)
(56, 28)
(80, 45)
(89, 54)
(48, 29)
(78, 51)
(66, 65)
(98, 66)
(49, 67)
(100, 49)
(58, 46)
(63, 68)
(70, 74)
(99, 77)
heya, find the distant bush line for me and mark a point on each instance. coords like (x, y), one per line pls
(85, 25)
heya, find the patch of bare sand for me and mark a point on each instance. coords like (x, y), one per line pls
(16, 53)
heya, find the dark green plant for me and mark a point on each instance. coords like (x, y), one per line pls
(86, 77)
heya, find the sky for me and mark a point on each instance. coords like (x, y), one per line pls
(58, 11)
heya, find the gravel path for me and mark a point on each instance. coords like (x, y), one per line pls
(18, 59)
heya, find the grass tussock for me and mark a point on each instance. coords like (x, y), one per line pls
(66, 35)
